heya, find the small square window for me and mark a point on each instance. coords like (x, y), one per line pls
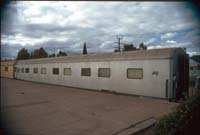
(104, 72)
(85, 72)
(135, 73)
(6, 68)
(27, 70)
(43, 70)
(67, 71)
(22, 70)
(35, 70)
(55, 71)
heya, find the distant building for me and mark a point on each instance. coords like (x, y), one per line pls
(194, 74)
(7, 69)
(194, 68)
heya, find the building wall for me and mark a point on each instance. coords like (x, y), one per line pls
(149, 85)
(176, 73)
(10, 72)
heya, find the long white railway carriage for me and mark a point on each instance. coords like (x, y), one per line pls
(161, 73)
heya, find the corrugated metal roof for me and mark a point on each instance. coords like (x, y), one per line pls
(129, 55)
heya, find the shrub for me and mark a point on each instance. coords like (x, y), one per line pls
(184, 120)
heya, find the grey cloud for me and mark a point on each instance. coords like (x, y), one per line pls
(9, 17)
(39, 30)
(136, 21)
(9, 51)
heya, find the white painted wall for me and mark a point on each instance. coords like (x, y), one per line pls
(150, 85)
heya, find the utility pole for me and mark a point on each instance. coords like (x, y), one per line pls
(119, 38)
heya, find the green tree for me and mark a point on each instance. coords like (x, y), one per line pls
(142, 46)
(196, 58)
(84, 49)
(129, 47)
(23, 54)
(52, 55)
(60, 53)
(39, 53)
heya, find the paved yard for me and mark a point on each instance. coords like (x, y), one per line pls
(34, 108)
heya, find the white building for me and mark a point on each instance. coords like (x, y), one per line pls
(160, 73)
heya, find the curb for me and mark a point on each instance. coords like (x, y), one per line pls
(138, 127)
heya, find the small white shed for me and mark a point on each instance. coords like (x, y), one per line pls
(160, 73)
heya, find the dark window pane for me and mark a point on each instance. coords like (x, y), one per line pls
(85, 72)
(22, 70)
(35, 70)
(55, 71)
(18, 70)
(27, 70)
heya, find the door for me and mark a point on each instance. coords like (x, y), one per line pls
(15, 70)
(183, 77)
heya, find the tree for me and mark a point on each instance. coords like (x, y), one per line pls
(116, 50)
(40, 53)
(23, 54)
(60, 53)
(196, 58)
(52, 55)
(142, 46)
(84, 49)
(31, 55)
(129, 47)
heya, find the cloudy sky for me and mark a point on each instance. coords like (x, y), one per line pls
(67, 25)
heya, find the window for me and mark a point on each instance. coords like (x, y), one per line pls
(67, 71)
(135, 73)
(35, 70)
(27, 70)
(85, 72)
(18, 70)
(104, 72)
(6, 68)
(43, 70)
(55, 71)
(22, 70)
